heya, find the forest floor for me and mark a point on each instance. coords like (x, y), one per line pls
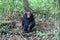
(44, 30)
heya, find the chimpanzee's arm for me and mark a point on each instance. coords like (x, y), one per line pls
(32, 23)
(23, 20)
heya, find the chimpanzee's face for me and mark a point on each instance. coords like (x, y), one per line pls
(28, 14)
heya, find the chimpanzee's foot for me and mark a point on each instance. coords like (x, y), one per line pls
(30, 31)
(24, 31)
(27, 31)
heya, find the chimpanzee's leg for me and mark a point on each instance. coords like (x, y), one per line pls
(25, 29)
(31, 28)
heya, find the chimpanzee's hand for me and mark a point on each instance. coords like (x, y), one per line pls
(29, 26)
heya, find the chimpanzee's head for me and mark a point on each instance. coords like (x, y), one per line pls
(28, 14)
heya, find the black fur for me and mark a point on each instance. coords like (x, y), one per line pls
(28, 22)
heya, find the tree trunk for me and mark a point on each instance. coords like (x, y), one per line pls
(8, 11)
(26, 5)
(59, 2)
(2, 6)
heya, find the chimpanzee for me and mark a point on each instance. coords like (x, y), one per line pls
(28, 22)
